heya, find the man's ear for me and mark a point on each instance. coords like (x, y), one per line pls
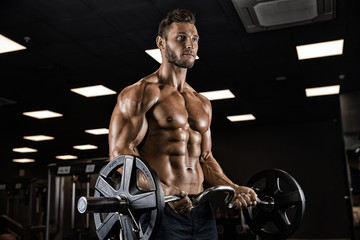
(160, 42)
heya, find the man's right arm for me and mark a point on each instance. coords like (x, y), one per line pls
(128, 124)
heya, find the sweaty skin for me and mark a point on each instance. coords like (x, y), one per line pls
(164, 120)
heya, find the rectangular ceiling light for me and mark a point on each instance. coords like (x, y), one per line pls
(98, 131)
(93, 91)
(42, 114)
(322, 91)
(85, 147)
(8, 45)
(66, 157)
(24, 150)
(323, 49)
(38, 138)
(217, 95)
(156, 54)
(23, 160)
(238, 118)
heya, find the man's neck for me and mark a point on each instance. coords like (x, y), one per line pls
(172, 75)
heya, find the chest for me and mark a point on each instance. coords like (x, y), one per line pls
(181, 110)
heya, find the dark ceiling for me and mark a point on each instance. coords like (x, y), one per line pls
(78, 43)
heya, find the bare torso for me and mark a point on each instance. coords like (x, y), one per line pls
(172, 144)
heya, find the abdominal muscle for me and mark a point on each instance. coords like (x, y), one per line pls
(174, 154)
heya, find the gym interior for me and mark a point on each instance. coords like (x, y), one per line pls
(250, 50)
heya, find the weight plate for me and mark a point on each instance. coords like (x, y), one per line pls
(284, 217)
(141, 219)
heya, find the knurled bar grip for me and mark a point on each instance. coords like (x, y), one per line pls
(203, 195)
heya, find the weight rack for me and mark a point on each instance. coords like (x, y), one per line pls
(62, 176)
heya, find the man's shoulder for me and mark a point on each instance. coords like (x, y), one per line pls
(191, 90)
(145, 90)
(147, 83)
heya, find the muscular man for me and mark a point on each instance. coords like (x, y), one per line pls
(164, 120)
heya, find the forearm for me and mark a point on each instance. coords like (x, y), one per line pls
(166, 189)
(213, 174)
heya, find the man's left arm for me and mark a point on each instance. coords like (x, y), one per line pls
(214, 175)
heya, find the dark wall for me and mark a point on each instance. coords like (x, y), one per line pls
(313, 153)
(8, 169)
(350, 104)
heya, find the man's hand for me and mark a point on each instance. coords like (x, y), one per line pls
(182, 206)
(244, 197)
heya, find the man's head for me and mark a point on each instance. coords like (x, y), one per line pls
(178, 38)
(177, 15)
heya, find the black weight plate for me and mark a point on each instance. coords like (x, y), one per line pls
(289, 204)
(146, 206)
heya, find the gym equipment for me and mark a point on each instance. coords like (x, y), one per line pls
(282, 216)
(66, 182)
(124, 189)
(128, 201)
(20, 199)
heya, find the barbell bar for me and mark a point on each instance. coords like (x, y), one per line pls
(121, 204)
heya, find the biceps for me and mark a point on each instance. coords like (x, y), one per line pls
(126, 133)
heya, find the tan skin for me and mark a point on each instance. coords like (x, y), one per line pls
(165, 121)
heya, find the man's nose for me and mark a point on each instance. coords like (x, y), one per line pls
(189, 44)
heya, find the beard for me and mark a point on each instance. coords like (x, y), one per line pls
(173, 59)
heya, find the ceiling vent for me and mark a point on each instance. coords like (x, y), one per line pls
(258, 15)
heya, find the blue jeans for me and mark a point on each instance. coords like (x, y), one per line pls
(199, 224)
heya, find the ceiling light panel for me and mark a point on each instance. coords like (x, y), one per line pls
(66, 157)
(43, 114)
(24, 150)
(322, 91)
(38, 138)
(8, 45)
(23, 160)
(155, 54)
(217, 95)
(93, 91)
(238, 118)
(98, 131)
(85, 147)
(323, 49)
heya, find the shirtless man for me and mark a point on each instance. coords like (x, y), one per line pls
(164, 120)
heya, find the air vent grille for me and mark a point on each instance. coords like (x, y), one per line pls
(267, 15)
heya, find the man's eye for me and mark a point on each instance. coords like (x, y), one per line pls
(195, 39)
(181, 37)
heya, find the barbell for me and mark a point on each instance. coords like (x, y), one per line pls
(122, 207)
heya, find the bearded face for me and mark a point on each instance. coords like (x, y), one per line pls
(177, 61)
(181, 44)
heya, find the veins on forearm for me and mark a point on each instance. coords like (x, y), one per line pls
(213, 173)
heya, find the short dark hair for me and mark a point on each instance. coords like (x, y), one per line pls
(177, 15)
